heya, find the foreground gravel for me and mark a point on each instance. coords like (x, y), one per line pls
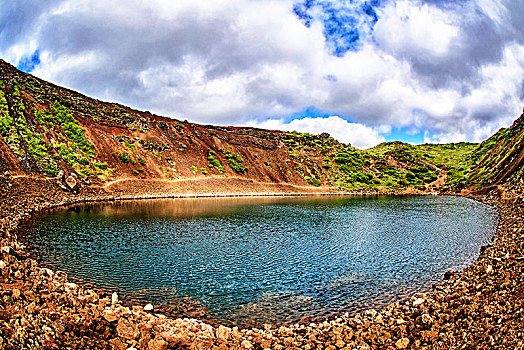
(481, 307)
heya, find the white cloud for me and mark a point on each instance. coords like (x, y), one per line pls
(231, 61)
(410, 27)
(358, 135)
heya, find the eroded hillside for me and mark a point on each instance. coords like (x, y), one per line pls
(46, 130)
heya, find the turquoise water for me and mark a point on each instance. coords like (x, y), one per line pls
(254, 260)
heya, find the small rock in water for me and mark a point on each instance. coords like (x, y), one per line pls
(148, 307)
(114, 298)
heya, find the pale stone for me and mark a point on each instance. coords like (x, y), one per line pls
(246, 345)
(16, 293)
(340, 344)
(402, 343)
(180, 338)
(71, 285)
(71, 182)
(265, 343)
(114, 298)
(148, 307)
(222, 333)
(110, 315)
(419, 301)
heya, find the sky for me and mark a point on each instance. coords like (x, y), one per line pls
(363, 71)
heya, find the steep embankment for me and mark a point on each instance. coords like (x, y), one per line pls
(499, 160)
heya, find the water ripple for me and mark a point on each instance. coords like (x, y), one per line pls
(267, 260)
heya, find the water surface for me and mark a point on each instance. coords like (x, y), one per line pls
(254, 260)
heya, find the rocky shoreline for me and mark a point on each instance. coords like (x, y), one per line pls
(480, 307)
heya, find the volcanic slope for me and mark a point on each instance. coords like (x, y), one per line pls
(47, 130)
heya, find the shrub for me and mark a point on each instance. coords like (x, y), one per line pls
(141, 161)
(102, 166)
(83, 161)
(124, 157)
(51, 169)
(130, 146)
(235, 162)
(312, 181)
(213, 162)
(5, 120)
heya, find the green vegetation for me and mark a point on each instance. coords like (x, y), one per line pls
(124, 157)
(235, 162)
(301, 134)
(102, 166)
(83, 161)
(213, 162)
(352, 163)
(6, 122)
(312, 181)
(60, 117)
(55, 136)
(400, 165)
(130, 146)
(454, 158)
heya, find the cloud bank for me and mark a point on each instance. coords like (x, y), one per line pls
(452, 70)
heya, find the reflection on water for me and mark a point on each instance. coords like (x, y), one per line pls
(266, 259)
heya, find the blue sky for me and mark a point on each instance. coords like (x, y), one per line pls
(364, 71)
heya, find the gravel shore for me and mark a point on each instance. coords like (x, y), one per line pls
(480, 307)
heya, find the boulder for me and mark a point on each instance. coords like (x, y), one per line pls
(402, 343)
(157, 344)
(71, 182)
(110, 315)
(222, 333)
(127, 330)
